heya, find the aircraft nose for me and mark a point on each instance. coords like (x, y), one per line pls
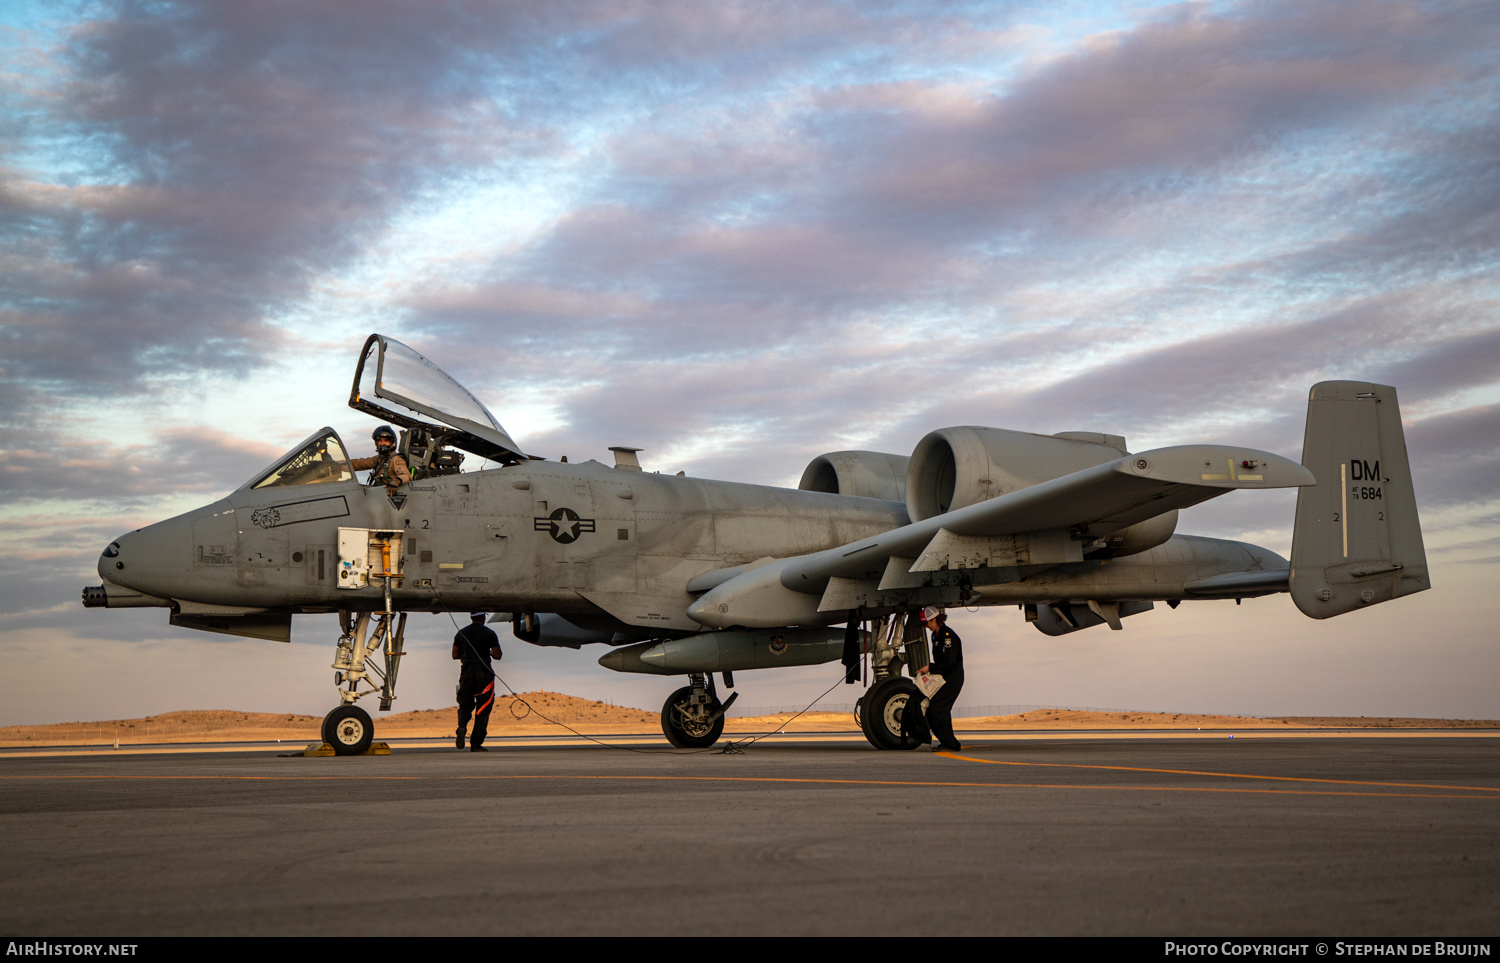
(111, 565)
(109, 559)
(153, 560)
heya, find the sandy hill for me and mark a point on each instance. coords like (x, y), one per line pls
(525, 715)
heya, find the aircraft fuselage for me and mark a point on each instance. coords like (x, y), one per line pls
(532, 537)
(583, 540)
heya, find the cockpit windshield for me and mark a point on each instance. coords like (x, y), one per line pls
(319, 459)
(397, 383)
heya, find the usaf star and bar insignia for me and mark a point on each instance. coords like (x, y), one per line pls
(564, 525)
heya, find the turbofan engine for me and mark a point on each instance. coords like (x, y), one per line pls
(869, 474)
(953, 468)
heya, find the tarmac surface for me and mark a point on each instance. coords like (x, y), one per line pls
(1165, 834)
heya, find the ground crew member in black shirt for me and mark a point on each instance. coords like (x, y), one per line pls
(948, 662)
(475, 644)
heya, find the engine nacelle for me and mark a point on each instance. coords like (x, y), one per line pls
(958, 467)
(869, 474)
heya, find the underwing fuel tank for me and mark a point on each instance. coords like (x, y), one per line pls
(728, 651)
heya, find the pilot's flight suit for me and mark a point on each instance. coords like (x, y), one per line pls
(476, 680)
(389, 470)
(948, 662)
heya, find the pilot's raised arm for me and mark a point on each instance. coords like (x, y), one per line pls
(387, 467)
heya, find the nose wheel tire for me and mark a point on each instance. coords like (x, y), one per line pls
(880, 714)
(684, 724)
(349, 730)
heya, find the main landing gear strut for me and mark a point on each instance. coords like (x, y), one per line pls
(693, 716)
(349, 729)
(897, 641)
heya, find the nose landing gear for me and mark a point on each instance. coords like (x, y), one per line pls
(348, 728)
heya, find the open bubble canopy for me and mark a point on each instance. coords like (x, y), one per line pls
(397, 383)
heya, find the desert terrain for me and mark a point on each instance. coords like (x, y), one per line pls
(545, 713)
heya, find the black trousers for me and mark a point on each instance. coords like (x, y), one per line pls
(476, 697)
(940, 709)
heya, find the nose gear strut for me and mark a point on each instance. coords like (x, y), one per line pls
(348, 728)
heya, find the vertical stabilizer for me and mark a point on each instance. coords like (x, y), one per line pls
(1357, 540)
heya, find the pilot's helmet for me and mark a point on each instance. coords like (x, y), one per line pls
(385, 432)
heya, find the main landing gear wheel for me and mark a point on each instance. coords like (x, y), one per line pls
(880, 714)
(348, 730)
(685, 725)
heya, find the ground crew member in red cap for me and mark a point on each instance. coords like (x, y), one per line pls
(948, 662)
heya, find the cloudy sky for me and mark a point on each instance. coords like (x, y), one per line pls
(738, 235)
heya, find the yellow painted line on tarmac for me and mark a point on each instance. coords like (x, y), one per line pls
(1225, 775)
(984, 785)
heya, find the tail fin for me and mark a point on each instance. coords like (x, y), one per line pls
(1357, 540)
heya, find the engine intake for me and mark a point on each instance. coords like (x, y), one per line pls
(958, 467)
(868, 474)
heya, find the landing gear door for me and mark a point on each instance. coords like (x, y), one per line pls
(395, 383)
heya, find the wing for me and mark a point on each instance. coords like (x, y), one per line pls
(1046, 524)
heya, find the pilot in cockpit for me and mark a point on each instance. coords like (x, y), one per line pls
(387, 467)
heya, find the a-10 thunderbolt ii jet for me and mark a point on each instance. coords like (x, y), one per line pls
(692, 577)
